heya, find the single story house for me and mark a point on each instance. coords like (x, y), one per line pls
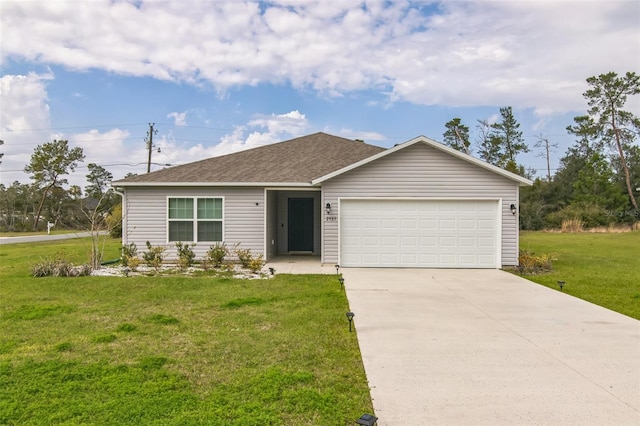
(417, 204)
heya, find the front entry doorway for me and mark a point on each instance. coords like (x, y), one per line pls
(300, 224)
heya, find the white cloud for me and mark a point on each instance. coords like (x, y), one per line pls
(24, 121)
(524, 54)
(365, 136)
(180, 118)
(292, 123)
(278, 127)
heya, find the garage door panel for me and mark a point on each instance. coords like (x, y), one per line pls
(409, 242)
(447, 224)
(370, 223)
(467, 224)
(469, 242)
(486, 242)
(409, 224)
(419, 233)
(390, 241)
(428, 224)
(447, 241)
(487, 224)
(371, 241)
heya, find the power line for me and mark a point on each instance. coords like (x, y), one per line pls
(76, 127)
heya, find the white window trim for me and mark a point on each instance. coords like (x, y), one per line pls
(195, 217)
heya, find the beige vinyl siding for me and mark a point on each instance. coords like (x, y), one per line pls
(146, 217)
(420, 171)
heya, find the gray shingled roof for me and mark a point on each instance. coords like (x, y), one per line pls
(298, 160)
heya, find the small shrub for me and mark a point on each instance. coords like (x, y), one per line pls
(59, 267)
(133, 263)
(635, 226)
(186, 255)
(217, 254)
(255, 264)
(129, 252)
(227, 268)
(572, 225)
(244, 256)
(154, 256)
(530, 263)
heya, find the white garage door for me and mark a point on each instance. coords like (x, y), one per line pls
(419, 233)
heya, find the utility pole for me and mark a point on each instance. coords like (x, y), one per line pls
(544, 143)
(149, 141)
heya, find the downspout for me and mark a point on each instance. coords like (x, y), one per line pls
(122, 195)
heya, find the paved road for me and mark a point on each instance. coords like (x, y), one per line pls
(484, 347)
(44, 237)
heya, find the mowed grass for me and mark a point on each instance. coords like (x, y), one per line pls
(173, 350)
(602, 268)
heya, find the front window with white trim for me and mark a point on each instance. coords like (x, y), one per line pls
(195, 219)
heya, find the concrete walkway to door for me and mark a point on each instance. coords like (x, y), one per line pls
(484, 347)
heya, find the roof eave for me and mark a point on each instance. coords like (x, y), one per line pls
(422, 139)
(121, 184)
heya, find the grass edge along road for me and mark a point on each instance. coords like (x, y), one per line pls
(601, 268)
(173, 350)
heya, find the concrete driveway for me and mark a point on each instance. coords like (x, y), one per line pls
(484, 347)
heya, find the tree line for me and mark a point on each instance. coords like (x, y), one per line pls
(597, 181)
(598, 178)
(29, 207)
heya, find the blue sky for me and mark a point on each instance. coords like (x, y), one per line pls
(217, 77)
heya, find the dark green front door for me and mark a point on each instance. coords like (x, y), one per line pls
(301, 224)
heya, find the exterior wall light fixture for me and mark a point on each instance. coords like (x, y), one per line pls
(327, 208)
(513, 209)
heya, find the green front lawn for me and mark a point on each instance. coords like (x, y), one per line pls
(602, 268)
(173, 350)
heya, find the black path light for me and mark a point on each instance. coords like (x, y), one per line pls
(367, 420)
(350, 316)
(341, 282)
(337, 269)
(272, 270)
(561, 284)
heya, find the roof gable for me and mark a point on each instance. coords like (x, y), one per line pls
(422, 139)
(296, 161)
